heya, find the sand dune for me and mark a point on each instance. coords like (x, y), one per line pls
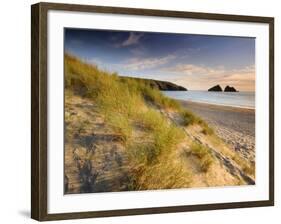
(124, 135)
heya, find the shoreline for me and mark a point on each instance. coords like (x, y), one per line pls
(219, 105)
(235, 125)
(228, 99)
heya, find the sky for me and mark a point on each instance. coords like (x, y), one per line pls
(196, 62)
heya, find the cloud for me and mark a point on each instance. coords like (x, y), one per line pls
(147, 63)
(218, 71)
(203, 77)
(138, 51)
(133, 39)
(191, 69)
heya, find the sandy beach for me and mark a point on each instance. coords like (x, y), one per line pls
(234, 125)
(134, 138)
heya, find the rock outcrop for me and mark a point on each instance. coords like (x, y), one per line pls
(216, 88)
(230, 89)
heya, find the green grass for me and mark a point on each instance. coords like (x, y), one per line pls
(157, 98)
(121, 125)
(110, 91)
(246, 167)
(188, 118)
(163, 136)
(206, 129)
(203, 154)
(166, 175)
(127, 104)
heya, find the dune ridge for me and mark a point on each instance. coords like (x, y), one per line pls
(122, 134)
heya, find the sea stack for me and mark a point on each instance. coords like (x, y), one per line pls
(230, 89)
(216, 88)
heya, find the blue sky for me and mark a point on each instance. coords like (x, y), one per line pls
(195, 61)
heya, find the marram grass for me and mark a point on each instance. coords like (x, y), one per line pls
(128, 105)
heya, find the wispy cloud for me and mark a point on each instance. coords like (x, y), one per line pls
(138, 51)
(147, 63)
(203, 77)
(132, 39)
(192, 69)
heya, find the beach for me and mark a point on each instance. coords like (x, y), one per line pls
(132, 137)
(236, 126)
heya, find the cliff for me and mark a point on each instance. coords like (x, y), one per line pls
(157, 84)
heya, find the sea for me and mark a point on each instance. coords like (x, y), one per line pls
(234, 99)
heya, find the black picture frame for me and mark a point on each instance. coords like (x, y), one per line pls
(39, 108)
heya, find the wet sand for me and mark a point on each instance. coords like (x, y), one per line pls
(235, 125)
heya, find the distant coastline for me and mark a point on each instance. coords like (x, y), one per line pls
(158, 84)
(230, 99)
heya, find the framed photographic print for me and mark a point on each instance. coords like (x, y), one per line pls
(138, 111)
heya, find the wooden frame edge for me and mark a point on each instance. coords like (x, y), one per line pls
(154, 12)
(39, 110)
(271, 111)
(34, 112)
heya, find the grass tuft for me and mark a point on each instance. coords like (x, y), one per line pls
(121, 125)
(206, 129)
(203, 154)
(188, 118)
(164, 136)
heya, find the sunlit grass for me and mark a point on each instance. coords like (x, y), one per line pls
(203, 154)
(163, 136)
(189, 118)
(127, 104)
(121, 125)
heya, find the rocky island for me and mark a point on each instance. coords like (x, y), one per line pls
(216, 88)
(230, 89)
